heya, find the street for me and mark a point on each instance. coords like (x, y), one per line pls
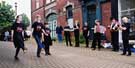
(63, 57)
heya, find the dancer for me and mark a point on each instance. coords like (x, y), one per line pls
(17, 35)
(37, 34)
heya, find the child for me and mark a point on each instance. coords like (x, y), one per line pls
(47, 39)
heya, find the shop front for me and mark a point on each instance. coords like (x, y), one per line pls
(127, 8)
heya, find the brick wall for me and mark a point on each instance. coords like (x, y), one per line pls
(37, 11)
(106, 14)
(77, 12)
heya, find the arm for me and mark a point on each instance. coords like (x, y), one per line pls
(44, 32)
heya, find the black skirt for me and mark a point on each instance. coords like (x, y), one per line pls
(18, 41)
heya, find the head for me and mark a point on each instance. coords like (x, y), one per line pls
(97, 22)
(113, 19)
(125, 19)
(58, 24)
(38, 18)
(85, 24)
(18, 19)
(76, 22)
(47, 25)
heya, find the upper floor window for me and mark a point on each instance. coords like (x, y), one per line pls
(69, 11)
(37, 3)
(49, 1)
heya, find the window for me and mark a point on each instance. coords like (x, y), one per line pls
(37, 3)
(49, 1)
(69, 12)
(127, 8)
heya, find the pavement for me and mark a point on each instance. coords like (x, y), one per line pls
(63, 57)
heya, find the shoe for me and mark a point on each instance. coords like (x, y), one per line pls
(116, 51)
(76, 46)
(49, 53)
(38, 56)
(93, 48)
(129, 55)
(16, 58)
(123, 54)
(46, 54)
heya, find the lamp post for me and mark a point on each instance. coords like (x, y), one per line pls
(15, 8)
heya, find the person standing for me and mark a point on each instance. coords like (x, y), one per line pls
(114, 34)
(76, 33)
(17, 35)
(59, 30)
(47, 39)
(125, 36)
(86, 34)
(37, 34)
(97, 35)
(6, 36)
(67, 35)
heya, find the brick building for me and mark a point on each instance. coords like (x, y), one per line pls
(37, 9)
(66, 12)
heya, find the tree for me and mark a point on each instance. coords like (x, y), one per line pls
(25, 20)
(7, 16)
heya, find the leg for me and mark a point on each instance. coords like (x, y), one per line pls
(112, 40)
(94, 44)
(69, 39)
(87, 42)
(66, 38)
(60, 37)
(38, 51)
(117, 41)
(47, 52)
(124, 47)
(16, 54)
(76, 43)
(99, 41)
(128, 48)
(38, 41)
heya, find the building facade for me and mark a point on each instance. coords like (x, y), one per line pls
(37, 8)
(66, 12)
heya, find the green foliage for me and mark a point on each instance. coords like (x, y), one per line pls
(6, 16)
(82, 40)
(25, 20)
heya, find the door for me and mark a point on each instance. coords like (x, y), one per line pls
(91, 18)
(52, 21)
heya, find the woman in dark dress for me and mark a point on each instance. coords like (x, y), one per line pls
(37, 34)
(47, 39)
(17, 36)
(76, 33)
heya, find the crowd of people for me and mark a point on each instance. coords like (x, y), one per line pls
(41, 34)
(99, 34)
